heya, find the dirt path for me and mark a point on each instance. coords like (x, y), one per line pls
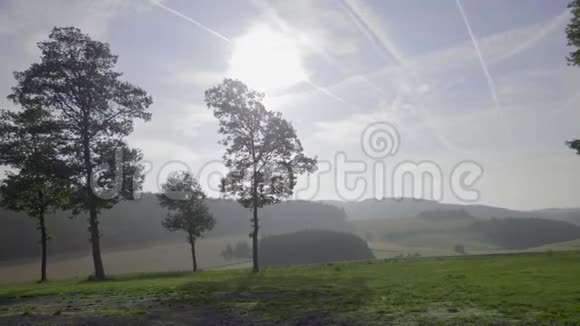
(95, 311)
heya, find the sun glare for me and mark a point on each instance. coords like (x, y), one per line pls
(267, 60)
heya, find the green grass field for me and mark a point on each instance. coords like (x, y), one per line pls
(427, 237)
(573, 245)
(153, 259)
(540, 288)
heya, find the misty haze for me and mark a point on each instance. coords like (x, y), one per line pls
(270, 162)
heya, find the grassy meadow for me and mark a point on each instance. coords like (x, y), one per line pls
(156, 258)
(414, 236)
(573, 245)
(541, 287)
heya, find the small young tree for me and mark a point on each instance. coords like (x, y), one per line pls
(184, 199)
(263, 153)
(242, 250)
(228, 253)
(459, 248)
(29, 143)
(76, 81)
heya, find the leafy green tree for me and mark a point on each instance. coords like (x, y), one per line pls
(242, 250)
(228, 253)
(187, 209)
(76, 81)
(573, 34)
(263, 153)
(459, 248)
(575, 145)
(30, 144)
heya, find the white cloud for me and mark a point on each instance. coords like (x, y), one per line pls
(426, 102)
(320, 27)
(23, 23)
(196, 78)
(439, 101)
(374, 29)
(29, 19)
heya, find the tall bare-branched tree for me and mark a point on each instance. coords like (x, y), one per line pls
(263, 152)
(75, 80)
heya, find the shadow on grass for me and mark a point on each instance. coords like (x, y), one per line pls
(146, 276)
(274, 296)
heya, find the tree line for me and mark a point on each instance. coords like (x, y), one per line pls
(74, 114)
(136, 223)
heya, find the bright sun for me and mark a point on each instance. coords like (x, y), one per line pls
(267, 60)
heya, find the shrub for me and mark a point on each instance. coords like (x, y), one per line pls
(312, 246)
(459, 248)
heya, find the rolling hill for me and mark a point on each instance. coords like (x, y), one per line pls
(135, 224)
(407, 207)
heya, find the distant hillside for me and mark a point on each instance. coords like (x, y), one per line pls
(434, 230)
(407, 207)
(524, 233)
(564, 214)
(138, 223)
(559, 246)
(407, 222)
(418, 232)
(458, 214)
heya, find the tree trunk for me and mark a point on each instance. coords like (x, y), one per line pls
(96, 243)
(256, 267)
(192, 243)
(43, 243)
(255, 241)
(93, 215)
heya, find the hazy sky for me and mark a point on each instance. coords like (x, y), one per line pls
(500, 95)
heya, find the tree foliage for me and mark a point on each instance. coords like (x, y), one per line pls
(263, 153)
(30, 143)
(459, 248)
(187, 209)
(75, 80)
(524, 233)
(573, 34)
(240, 251)
(261, 147)
(312, 247)
(138, 222)
(575, 145)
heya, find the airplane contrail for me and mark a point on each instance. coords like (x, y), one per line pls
(369, 25)
(484, 68)
(217, 34)
(320, 50)
(191, 20)
(328, 93)
(554, 24)
(489, 79)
